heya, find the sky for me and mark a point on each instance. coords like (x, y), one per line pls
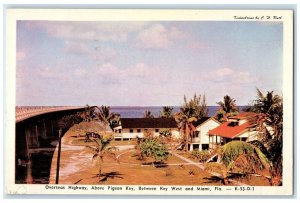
(152, 63)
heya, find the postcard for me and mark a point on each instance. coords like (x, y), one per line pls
(149, 102)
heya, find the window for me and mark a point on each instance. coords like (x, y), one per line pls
(138, 130)
(156, 130)
(131, 130)
(205, 146)
(120, 131)
(233, 123)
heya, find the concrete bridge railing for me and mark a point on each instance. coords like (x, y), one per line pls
(25, 112)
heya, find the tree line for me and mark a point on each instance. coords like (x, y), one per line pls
(263, 153)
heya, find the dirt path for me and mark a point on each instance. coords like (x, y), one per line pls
(76, 166)
(201, 166)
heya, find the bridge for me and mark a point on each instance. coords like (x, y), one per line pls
(26, 112)
(36, 138)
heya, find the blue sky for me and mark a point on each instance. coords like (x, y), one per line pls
(146, 63)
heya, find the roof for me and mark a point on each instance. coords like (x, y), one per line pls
(228, 130)
(243, 115)
(200, 121)
(148, 123)
(203, 120)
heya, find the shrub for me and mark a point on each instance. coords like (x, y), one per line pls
(151, 147)
(202, 156)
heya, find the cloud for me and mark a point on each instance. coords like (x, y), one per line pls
(79, 72)
(222, 74)
(104, 53)
(158, 37)
(109, 70)
(47, 72)
(95, 51)
(110, 73)
(77, 48)
(95, 30)
(196, 46)
(229, 75)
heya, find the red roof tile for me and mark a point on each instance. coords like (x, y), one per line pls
(228, 130)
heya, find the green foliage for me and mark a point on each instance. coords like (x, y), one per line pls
(202, 156)
(228, 104)
(88, 114)
(233, 150)
(166, 112)
(89, 127)
(270, 109)
(239, 157)
(101, 149)
(107, 117)
(148, 114)
(66, 122)
(165, 133)
(151, 147)
(228, 108)
(190, 112)
(195, 107)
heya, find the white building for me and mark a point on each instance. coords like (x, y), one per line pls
(136, 127)
(199, 139)
(239, 127)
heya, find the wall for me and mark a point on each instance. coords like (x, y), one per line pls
(127, 135)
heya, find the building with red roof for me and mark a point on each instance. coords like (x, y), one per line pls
(239, 127)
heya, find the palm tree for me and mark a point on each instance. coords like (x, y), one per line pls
(101, 149)
(190, 112)
(66, 122)
(88, 114)
(228, 108)
(148, 114)
(197, 105)
(166, 112)
(108, 118)
(186, 126)
(270, 108)
(239, 157)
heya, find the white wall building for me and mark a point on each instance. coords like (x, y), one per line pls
(136, 127)
(199, 139)
(239, 127)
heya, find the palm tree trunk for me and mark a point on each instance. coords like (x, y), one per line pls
(100, 167)
(187, 132)
(225, 181)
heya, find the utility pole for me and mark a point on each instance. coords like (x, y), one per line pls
(58, 156)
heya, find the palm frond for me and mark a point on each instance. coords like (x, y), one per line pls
(244, 157)
(260, 95)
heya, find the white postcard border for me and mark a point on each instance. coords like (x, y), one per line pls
(147, 15)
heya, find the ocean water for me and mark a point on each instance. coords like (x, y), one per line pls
(138, 111)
